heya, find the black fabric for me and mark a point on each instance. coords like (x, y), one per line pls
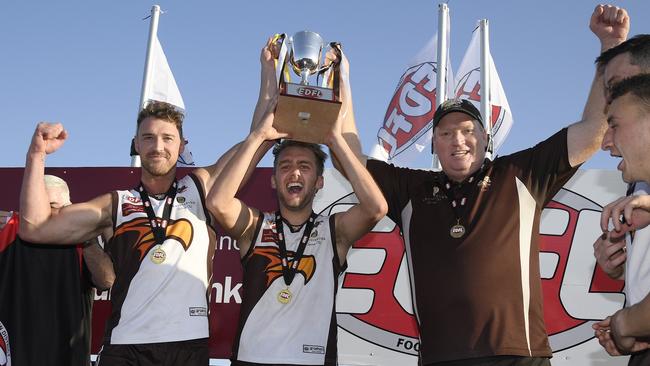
(187, 353)
(640, 359)
(498, 361)
(45, 302)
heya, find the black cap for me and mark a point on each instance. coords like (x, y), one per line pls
(456, 105)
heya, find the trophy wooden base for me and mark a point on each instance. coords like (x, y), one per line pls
(305, 119)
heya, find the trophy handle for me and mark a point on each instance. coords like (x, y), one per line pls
(281, 39)
(332, 71)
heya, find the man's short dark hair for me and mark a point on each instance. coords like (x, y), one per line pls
(638, 86)
(164, 111)
(319, 154)
(638, 47)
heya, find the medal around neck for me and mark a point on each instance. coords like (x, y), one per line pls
(457, 231)
(158, 254)
(284, 296)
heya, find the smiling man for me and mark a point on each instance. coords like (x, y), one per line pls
(161, 242)
(472, 230)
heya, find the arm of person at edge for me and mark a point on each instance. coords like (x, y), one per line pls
(611, 25)
(234, 216)
(268, 89)
(74, 223)
(606, 336)
(352, 224)
(634, 209)
(99, 264)
(348, 127)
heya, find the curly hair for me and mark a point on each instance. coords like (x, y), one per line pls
(163, 111)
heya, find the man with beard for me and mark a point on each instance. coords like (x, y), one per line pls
(292, 257)
(162, 242)
(472, 230)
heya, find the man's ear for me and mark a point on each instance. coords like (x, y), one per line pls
(182, 147)
(273, 183)
(320, 182)
(136, 144)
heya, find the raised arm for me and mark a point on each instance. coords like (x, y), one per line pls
(234, 216)
(348, 127)
(268, 90)
(611, 25)
(359, 219)
(74, 223)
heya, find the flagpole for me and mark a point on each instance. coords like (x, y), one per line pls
(153, 31)
(486, 102)
(441, 78)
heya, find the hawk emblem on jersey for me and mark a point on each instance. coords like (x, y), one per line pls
(273, 270)
(180, 230)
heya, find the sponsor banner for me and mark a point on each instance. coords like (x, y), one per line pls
(374, 310)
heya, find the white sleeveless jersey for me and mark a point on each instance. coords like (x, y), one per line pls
(637, 266)
(302, 331)
(160, 302)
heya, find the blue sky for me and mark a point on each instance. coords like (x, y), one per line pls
(81, 63)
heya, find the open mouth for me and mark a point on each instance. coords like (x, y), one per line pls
(294, 187)
(460, 153)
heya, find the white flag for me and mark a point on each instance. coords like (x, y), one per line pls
(468, 86)
(162, 87)
(404, 138)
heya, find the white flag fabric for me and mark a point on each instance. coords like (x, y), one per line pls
(404, 138)
(162, 87)
(468, 86)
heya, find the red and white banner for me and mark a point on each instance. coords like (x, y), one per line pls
(404, 138)
(468, 86)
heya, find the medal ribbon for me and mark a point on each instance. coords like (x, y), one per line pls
(455, 192)
(159, 231)
(288, 273)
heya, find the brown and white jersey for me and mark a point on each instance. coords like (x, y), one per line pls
(156, 301)
(478, 295)
(302, 331)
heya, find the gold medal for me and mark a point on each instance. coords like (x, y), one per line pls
(457, 231)
(284, 296)
(158, 254)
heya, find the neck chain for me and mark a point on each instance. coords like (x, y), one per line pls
(158, 228)
(289, 272)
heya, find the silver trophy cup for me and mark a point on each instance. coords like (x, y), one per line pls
(306, 112)
(305, 58)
